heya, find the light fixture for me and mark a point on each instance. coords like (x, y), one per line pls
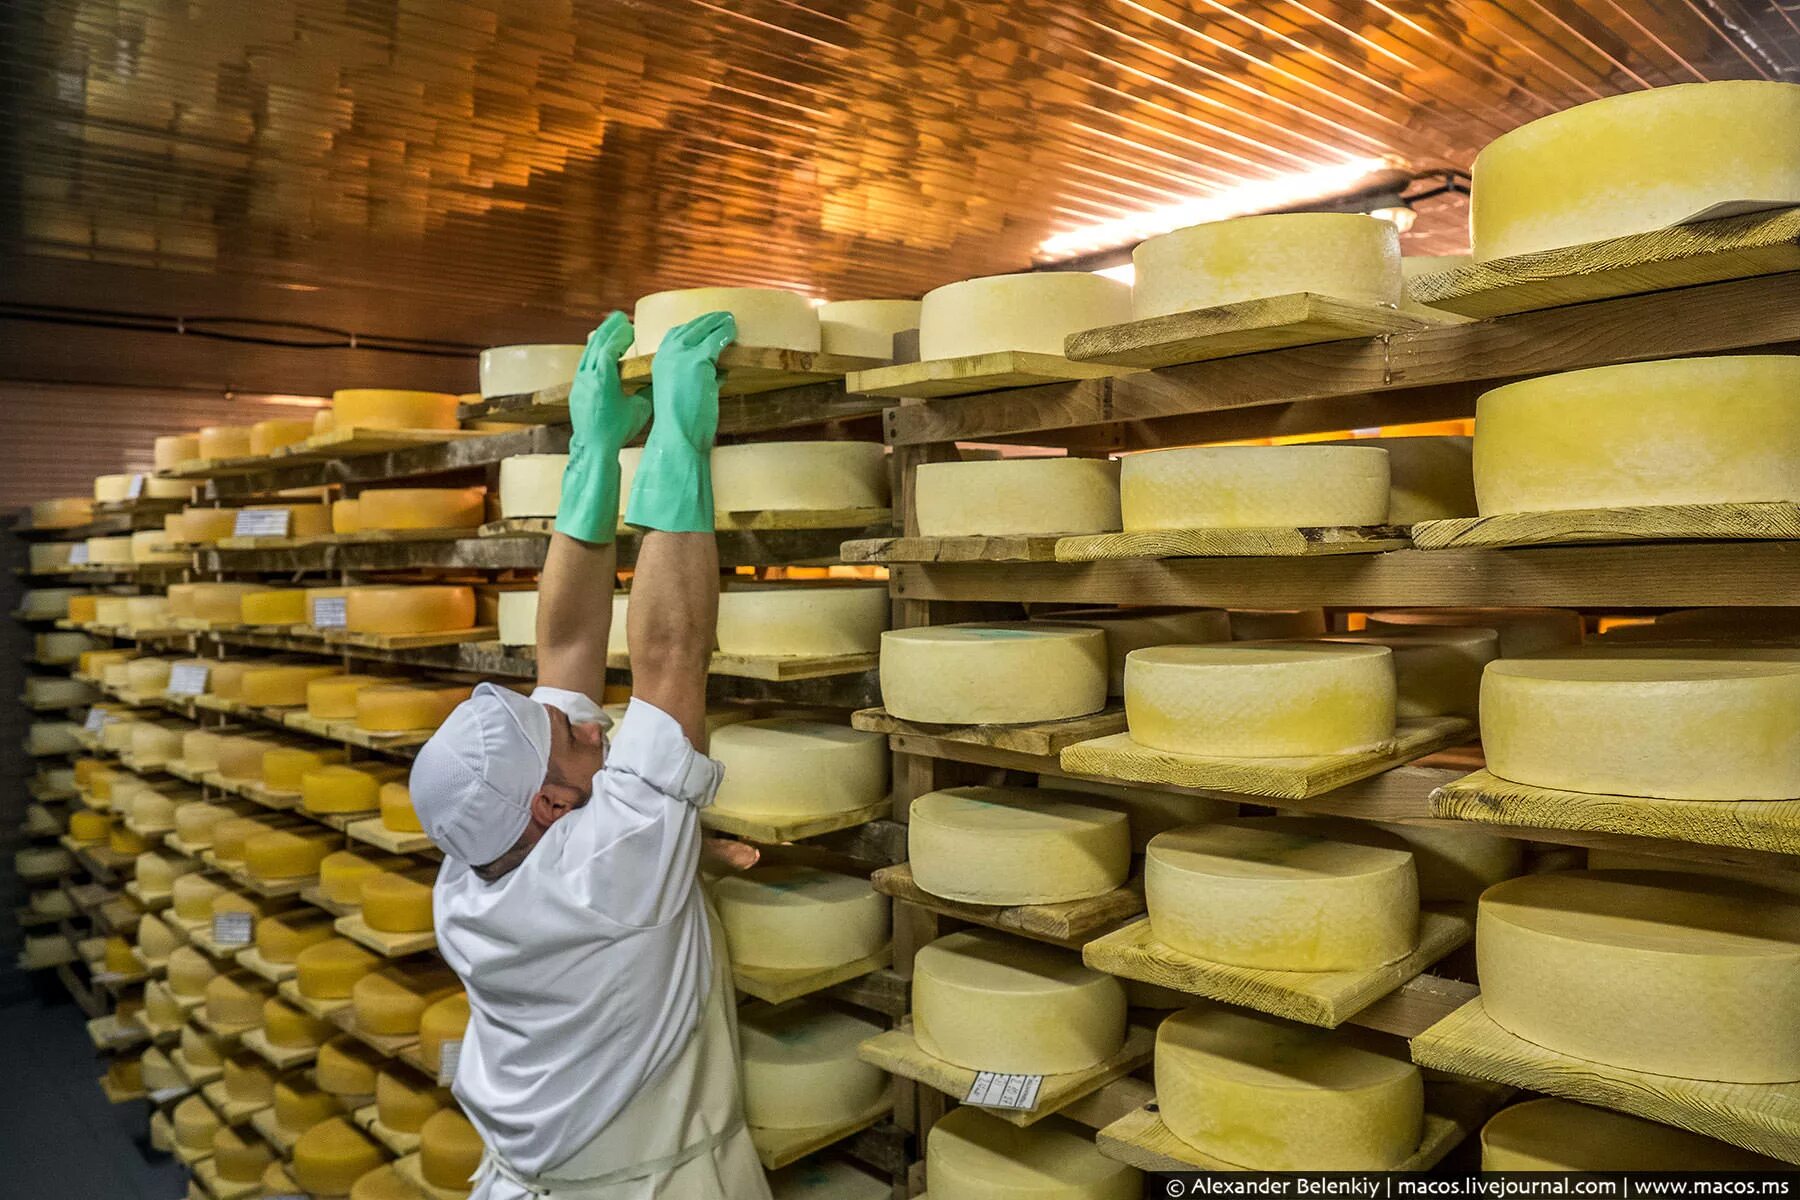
(1403, 215)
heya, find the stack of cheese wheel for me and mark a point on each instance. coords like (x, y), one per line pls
(390, 1002)
(801, 1070)
(1676, 431)
(342, 875)
(224, 441)
(865, 328)
(171, 450)
(386, 408)
(819, 1178)
(521, 370)
(405, 1100)
(1556, 1135)
(330, 969)
(799, 476)
(1612, 160)
(1017, 497)
(766, 317)
(1008, 846)
(449, 1152)
(1254, 487)
(1260, 700)
(443, 1022)
(333, 697)
(1346, 256)
(289, 853)
(1031, 313)
(424, 608)
(988, 1002)
(43, 604)
(1664, 972)
(1430, 478)
(346, 789)
(800, 918)
(284, 769)
(795, 620)
(398, 903)
(63, 513)
(993, 674)
(397, 812)
(199, 526)
(1523, 631)
(331, 1156)
(399, 708)
(970, 1155)
(1242, 892)
(292, 1028)
(1649, 726)
(1272, 1095)
(531, 484)
(1437, 670)
(266, 437)
(420, 508)
(1129, 629)
(790, 767)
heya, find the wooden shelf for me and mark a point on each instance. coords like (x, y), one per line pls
(1039, 737)
(950, 549)
(1772, 521)
(778, 986)
(812, 404)
(973, 374)
(775, 668)
(1070, 924)
(776, 1148)
(773, 830)
(388, 466)
(388, 945)
(1233, 543)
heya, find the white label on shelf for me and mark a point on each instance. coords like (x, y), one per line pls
(330, 612)
(187, 679)
(78, 554)
(992, 1090)
(96, 720)
(449, 1055)
(261, 522)
(164, 1095)
(135, 488)
(231, 928)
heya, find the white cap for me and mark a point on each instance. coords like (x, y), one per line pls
(472, 783)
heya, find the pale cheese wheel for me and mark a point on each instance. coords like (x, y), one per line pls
(531, 484)
(194, 823)
(405, 1100)
(1437, 671)
(155, 940)
(970, 1155)
(819, 1178)
(331, 1156)
(865, 328)
(266, 437)
(194, 894)
(146, 675)
(342, 875)
(389, 1003)
(240, 1158)
(765, 316)
(403, 709)
(330, 969)
(225, 441)
(1274, 1095)
(1017, 497)
(1430, 478)
(423, 608)
(147, 612)
(151, 546)
(1664, 972)
(1284, 894)
(1345, 256)
(790, 918)
(333, 697)
(112, 489)
(794, 767)
(109, 551)
(189, 972)
(520, 370)
(421, 508)
(799, 476)
(386, 408)
(158, 1073)
(110, 610)
(788, 620)
(235, 1001)
(1006, 846)
(1646, 726)
(518, 618)
(1635, 162)
(195, 1123)
(156, 873)
(449, 1150)
(1555, 1135)
(62, 513)
(340, 788)
(1254, 487)
(40, 604)
(993, 674)
(1033, 312)
(282, 685)
(1457, 862)
(1523, 631)
(990, 1002)
(1675, 431)
(249, 1080)
(171, 450)
(200, 1048)
(1260, 700)
(1129, 629)
(1148, 810)
(801, 1070)
(240, 756)
(396, 903)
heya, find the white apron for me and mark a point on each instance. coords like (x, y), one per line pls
(682, 1138)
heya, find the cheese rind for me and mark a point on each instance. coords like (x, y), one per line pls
(171, 450)
(289, 1027)
(284, 768)
(400, 708)
(194, 1124)
(531, 484)
(389, 1002)
(330, 969)
(801, 620)
(236, 1000)
(1017, 497)
(1033, 312)
(1129, 629)
(288, 854)
(449, 1150)
(970, 1155)
(1554, 1135)
(518, 618)
(865, 328)
(423, 608)
(1430, 478)
(225, 441)
(405, 1100)
(395, 903)
(799, 476)
(789, 917)
(342, 789)
(397, 811)
(989, 1002)
(1254, 487)
(420, 508)
(792, 767)
(284, 685)
(1346, 256)
(347, 1067)
(299, 1106)
(993, 845)
(518, 370)
(997, 673)
(1665, 972)
(1437, 671)
(342, 875)
(333, 697)
(387, 408)
(266, 437)
(801, 1069)
(240, 1159)
(764, 316)
(331, 1156)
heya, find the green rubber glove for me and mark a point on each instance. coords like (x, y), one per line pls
(604, 419)
(673, 488)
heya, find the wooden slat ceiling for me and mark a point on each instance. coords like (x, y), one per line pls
(469, 156)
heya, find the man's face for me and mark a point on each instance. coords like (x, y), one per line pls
(576, 755)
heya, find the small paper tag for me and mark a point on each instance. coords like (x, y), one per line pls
(164, 1095)
(231, 928)
(96, 720)
(135, 488)
(261, 522)
(992, 1090)
(330, 612)
(78, 554)
(187, 679)
(449, 1055)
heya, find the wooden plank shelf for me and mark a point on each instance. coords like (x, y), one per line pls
(322, 1009)
(772, 830)
(751, 370)
(1233, 543)
(321, 447)
(776, 1148)
(1327, 998)
(386, 1045)
(389, 945)
(232, 1112)
(469, 552)
(778, 986)
(1764, 1117)
(408, 641)
(747, 521)
(437, 458)
(950, 549)
(898, 1053)
(793, 407)
(1245, 327)
(1070, 924)
(412, 1170)
(368, 1119)
(280, 1057)
(1769, 521)
(271, 1132)
(372, 831)
(1040, 737)
(776, 668)
(972, 374)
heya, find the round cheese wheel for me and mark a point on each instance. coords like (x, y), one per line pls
(109, 551)
(340, 789)
(157, 1072)
(281, 936)
(998, 673)
(800, 1066)
(126, 841)
(1555, 1135)
(449, 1150)
(1430, 478)
(112, 489)
(531, 484)
(390, 1002)
(1437, 671)
(422, 608)
(119, 958)
(989, 1002)
(397, 811)
(299, 1106)
(284, 606)
(1017, 497)
(289, 1027)
(1634, 162)
(383, 1183)
(333, 697)
(1250, 487)
(157, 872)
(155, 940)
(518, 618)
(1261, 700)
(403, 709)
(865, 328)
(238, 1158)
(332, 1155)
(153, 546)
(405, 1100)
(266, 437)
(445, 1021)
(1645, 726)
(195, 1123)
(342, 875)
(1665, 972)
(171, 450)
(201, 526)
(1456, 863)
(347, 1067)
(146, 612)
(194, 893)
(996, 845)
(276, 1181)
(970, 1155)
(799, 476)
(200, 1049)
(421, 508)
(1284, 894)
(249, 1080)
(235, 1001)
(1523, 631)
(1129, 629)
(330, 969)
(225, 441)
(395, 903)
(386, 408)
(231, 834)
(520, 370)
(790, 766)
(765, 316)
(62, 513)
(285, 767)
(86, 826)
(1033, 312)
(1273, 1095)
(798, 619)
(1346, 256)
(793, 918)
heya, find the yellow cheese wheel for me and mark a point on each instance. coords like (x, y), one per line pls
(998, 673)
(346, 516)
(1284, 894)
(146, 612)
(1017, 497)
(1665, 972)
(171, 450)
(400, 708)
(201, 526)
(240, 1158)
(1523, 631)
(970, 1155)
(276, 1181)
(1250, 487)
(1555, 1135)
(201, 1049)
(1273, 1095)
(449, 1150)
(125, 1075)
(520, 370)
(800, 917)
(799, 476)
(787, 765)
(395, 903)
(342, 875)
(332, 1155)
(405, 1100)
(347, 1067)
(151, 546)
(445, 1021)
(281, 936)
(1129, 629)
(266, 437)
(330, 969)
(1267, 700)
(798, 619)
(249, 1080)
(119, 958)
(801, 1068)
(387, 408)
(155, 940)
(865, 328)
(397, 811)
(284, 768)
(291, 1028)
(230, 835)
(1430, 478)
(989, 1002)
(1033, 312)
(1457, 862)
(194, 895)
(531, 484)
(391, 1001)
(86, 826)
(195, 1123)
(236, 1000)
(998, 845)
(421, 508)
(1437, 671)
(126, 841)
(278, 606)
(299, 1105)
(422, 608)
(158, 1073)
(1635, 162)
(304, 520)
(225, 441)
(341, 789)
(333, 697)
(764, 316)
(1347, 256)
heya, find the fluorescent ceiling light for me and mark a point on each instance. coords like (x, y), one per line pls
(1258, 196)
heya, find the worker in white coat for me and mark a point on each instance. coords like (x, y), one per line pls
(600, 1061)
